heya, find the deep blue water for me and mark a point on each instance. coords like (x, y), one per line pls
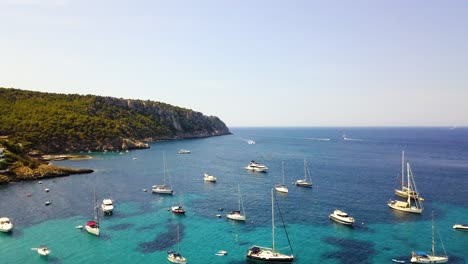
(356, 175)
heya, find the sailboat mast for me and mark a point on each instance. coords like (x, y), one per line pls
(272, 222)
(95, 208)
(164, 167)
(402, 169)
(433, 240)
(408, 191)
(282, 168)
(305, 172)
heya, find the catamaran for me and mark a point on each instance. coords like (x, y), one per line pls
(238, 215)
(307, 181)
(405, 190)
(423, 257)
(410, 206)
(281, 187)
(270, 255)
(162, 188)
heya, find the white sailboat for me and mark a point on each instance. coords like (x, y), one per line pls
(410, 206)
(423, 257)
(92, 226)
(307, 181)
(405, 190)
(162, 188)
(238, 215)
(176, 257)
(281, 187)
(270, 255)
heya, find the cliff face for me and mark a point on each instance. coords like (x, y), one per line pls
(68, 123)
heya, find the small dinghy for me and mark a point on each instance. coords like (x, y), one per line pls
(46, 189)
(221, 253)
(398, 261)
(48, 203)
(79, 227)
(43, 250)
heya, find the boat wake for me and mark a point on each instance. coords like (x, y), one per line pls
(319, 139)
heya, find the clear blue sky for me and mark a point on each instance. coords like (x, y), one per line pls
(251, 63)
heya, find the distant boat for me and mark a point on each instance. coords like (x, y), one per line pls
(48, 203)
(162, 189)
(398, 261)
(254, 166)
(281, 187)
(107, 206)
(178, 209)
(43, 250)
(238, 215)
(270, 255)
(409, 206)
(92, 226)
(176, 257)
(422, 257)
(221, 253)
(341, 217)
(251, 142)
(405, 191)
(184, 151)
(209, 178)
(5, 225)
(307, 181)
(463, 227)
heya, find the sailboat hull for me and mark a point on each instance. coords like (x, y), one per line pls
(258, 254)
(404, 207)
(237, 217)
(92, 230)
(429, 259)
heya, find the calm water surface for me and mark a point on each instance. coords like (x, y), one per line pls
(357, 176)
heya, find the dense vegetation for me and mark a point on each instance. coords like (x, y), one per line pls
(61, 123)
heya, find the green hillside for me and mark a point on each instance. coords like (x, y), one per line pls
(68, 123)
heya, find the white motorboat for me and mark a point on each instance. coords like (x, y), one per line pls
(270, 255)
(281, 187)
(48, 203)
(423, 257)
(463, 227)
(162, 188)
(107, 206)
(238, 215)
(92, 226)
(411, 205)
(5, 225)
(251, 142)
(307, 181)
(405, 191)
(176, 257)
(209, 178)
(184, 151)
(341, 217)
(221, 253)
(177, 209)
(43, 250)
(254, 166)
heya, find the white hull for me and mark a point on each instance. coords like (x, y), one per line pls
(429, 259)
(341, 217)
(107, 206)
(91, 230)
(237, 217)
(404, 194)
(5, 225)
(176, 259)
(43, 251)
(161, 189)
(303, 183)
(460, 227)
(209, 178)
(404, 207)
(282, 189)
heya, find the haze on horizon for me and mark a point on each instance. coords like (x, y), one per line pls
(251, 63)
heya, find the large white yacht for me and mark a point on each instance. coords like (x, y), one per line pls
(254, 166)
(107, 206)
(5, 225)
(341, 217)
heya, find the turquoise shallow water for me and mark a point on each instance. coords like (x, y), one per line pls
(357, 176)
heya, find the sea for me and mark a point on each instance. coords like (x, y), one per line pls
(352, 169)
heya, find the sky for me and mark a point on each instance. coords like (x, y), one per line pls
(251, 63)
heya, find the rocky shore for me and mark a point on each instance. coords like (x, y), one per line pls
(43, 171)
